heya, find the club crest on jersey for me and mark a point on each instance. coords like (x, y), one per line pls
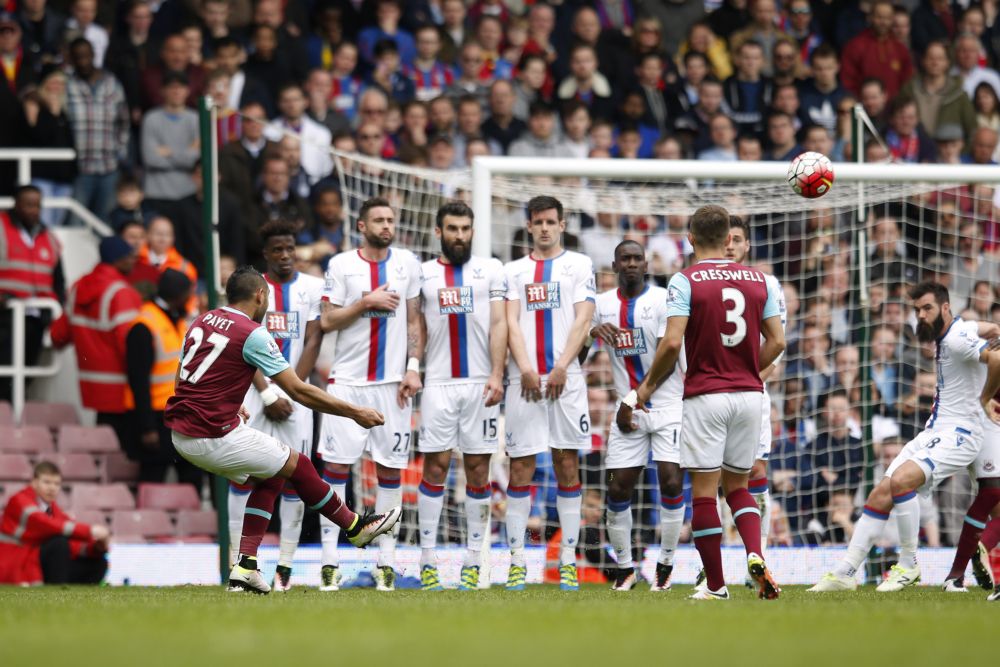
(542, 296)
(455, 300)
(477, 274)
(282, 325)
(630, 343)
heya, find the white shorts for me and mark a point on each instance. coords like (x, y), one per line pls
(455, 415)
(242, 453)
(721, 431)
(987, 464)
(939, 453)
(533, 428)
(764, 446)
(343, 441)
(296, 431)
(659, 431)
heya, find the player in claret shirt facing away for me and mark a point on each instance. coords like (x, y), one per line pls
(718, 310)
(222, 351)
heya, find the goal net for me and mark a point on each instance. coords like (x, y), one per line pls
(854, 384)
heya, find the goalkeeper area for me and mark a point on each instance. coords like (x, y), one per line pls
(127, 625)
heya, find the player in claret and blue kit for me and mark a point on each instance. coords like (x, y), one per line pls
(222, 351)
(718, 310)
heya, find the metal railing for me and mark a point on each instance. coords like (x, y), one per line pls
(18, 371)
(24, 157)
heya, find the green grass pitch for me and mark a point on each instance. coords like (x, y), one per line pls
(203, 625)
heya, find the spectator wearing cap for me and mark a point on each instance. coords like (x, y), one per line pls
(100, 309)
(948, 139)
(170, 145)
(875, 53)
(40, 543)
(153, 353)
(98, 114)
(938, 95)
(42, 28)
(175, 58)
(29, 267)
(48, 127)
(541, 139)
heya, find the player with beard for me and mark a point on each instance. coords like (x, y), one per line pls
(222, 351)
(950, 442)
(372, 299)
(466, 324)
(292, 319)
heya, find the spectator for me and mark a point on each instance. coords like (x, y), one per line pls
(489, 35)
(130, 208)
(441, 155)
(156, 255)
(153, 352)
(416, 120)
(748, 148)
(983, 146)
(728, 17)
(314, 138)
(19, 67)
(40, 543)
(906, 137)
(502, 126)
(891, 378)
(277, 201)
(649, 73)
(762, 29)
(170, 145)
(95, 105)
(576, 124)
(608, 45)
(541, 23)
(99, 312)
(470, 122)
(628, 143)
(541, 139)
(967, 53)
(41, 28)
(175, 59)
(289, 151)
(781, 137)
(387, 74)
(240, 160)
(244, 89)
(875, 101)
(876, 54)
(847, 374)
(452, 29)
(786, 100)
(987, 106)
(813, 367)
(267, 62)
(469, 81)
(318, 89)
(695, 123)
(901, 26)
(288, 35)
(236, 224)
(346, 87)
(800, 26)
(838, 456)
(713, 50)
(821, 95)
(131, 51)
(215, 18)
(932, 20)
(748, 93)
(326, 237)
(586, 84)
(328, 33)
(786, 67)
(723, 133)
(948, 141)
(430, 76)
(682, 94)
(82, 23)
(939, 96)
(48, 127)
(29, 267)
(598, 242)
(916, 407)
(387, 15)
(817, 139)
(529, 84)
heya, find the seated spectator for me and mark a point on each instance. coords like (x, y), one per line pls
(157, 255)
(42, 544)
(328, 33)
(916, 406)
(813, 365)
(430, 76)
(817, 139)
(840, 518)
(875, 101)
(821, 95)
(598, 242)
(748, 92)
(318, 89)
(289, 150)
(713, 50)
(847, 376)
(346, 86)
(441, 155)
(786, 68)
(906, 137)
(314, 138)
(387, 74)
(939, 96)
(387, 15)
(763, 30)
(529, 83)
(786, 100)
(682, 94)
(541, 139)
(576, 125)
(781, 137)
(130, 206)
(586, 84)
(82, 23)
(982, 147)
(469, 81)
(452, 29)
(838, 456)
(800, 25)
(892, 378)
(503, 126)
(288, 34)
(628, 143)
(932, 20)
(893, 66)
(630, 115)
(170, 144)
(415, 123)
(722, 130)
(748, 148)
(174, 59)
(215, 17)
(602, 136)
(948, 140)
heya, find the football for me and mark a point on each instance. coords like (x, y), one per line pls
(811, 175)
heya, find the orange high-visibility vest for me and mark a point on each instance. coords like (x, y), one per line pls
(168, 339)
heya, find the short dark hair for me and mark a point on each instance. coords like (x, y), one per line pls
(823, 51)
(737, 222)
(939, 291)
(80, 41)
(243, 284)
(627, 242)
(22, 189)
(384, 46)
(709, 226)
(227, 42)
(459, 209)
(272, 228)
(544, 203)
(369, 204)
(45, 468)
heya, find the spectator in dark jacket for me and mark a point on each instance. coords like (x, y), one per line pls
(48, 127)
(932, 20)
(747, 92)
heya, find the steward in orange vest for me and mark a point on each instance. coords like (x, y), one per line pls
(152, 356)
(29, 267)
(157, 255)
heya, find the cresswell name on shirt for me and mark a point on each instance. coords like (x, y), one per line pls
(703, 275)
(377, 314)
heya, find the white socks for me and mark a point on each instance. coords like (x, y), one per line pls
(907, 509)
(518, 509)
(291, 510)
(388, 495)
(619, 521)
(868, 529)
(329, 531)
(568, 502)
(671, 522)
(237, 505)
(430, 500)
(477, 516)
(762, 495)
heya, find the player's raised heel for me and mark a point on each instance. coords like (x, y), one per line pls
(624, 579)
(701, 581)
(469, 579)
(568, 579)
(282, 579)
(371, 525)
(899, 578)
(515, 577)
(982, 570)
(246, 577)
(767, 587)
(662, 581)
(430, 579)
(955, 585)
(329, 577)
(832, 582)
(385, 578)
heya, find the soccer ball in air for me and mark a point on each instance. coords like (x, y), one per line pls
(811, 175)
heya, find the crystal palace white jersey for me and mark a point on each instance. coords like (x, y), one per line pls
(372, 350)
(457, 302)
(548, 290)
(774, 287)
(289, 307)
(960, 378)
(643, 321)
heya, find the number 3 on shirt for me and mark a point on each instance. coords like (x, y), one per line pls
(734, 315)
(218, 342)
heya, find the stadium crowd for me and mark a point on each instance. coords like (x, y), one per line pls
(433, 83)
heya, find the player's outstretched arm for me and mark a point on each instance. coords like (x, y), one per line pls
(992, 385)
(315, 398)
(531, 385)
(493, 392)
(774, 341)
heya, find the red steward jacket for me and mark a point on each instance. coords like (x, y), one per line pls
(100, 310)
(26, 271)
(25, 526)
